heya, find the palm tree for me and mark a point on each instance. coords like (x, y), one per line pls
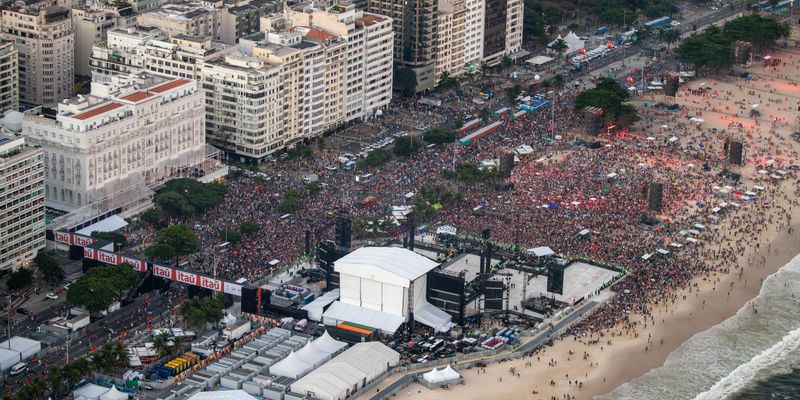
(484, 114)
(55, 381)
(552, 30)
(166, 345)
(559, 46)
(670, 37)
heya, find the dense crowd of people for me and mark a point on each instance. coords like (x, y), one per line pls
(568, 184)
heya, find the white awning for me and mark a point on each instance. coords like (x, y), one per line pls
(430, 315)
(316, 307)
(340, 312)
(109, 224)
(542, 251)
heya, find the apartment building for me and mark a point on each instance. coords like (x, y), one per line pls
(91, 28)
(243, 18)
(244, 105)
(502, 31)
(189, 18)
(473, 37)
(132, 50)
(21, 202)
(414, 25)
(369, 39)
(44, 37)
(9, 77)
(137, 131)
(450, 40)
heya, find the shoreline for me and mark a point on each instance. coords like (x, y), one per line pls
(707, 304)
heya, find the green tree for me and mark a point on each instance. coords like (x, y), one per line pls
(447, 82)
(230, 235)
(184, 196)
(36, 390)
(606, 83)
(532, 22)
(506, 62)
(175, 204)
(76, 371)
(101, 286)
(49, 268)
(627, 116)
(706, 51)
(438, 135)
(175, 241)
(613, 16)
(670, 37)
(248, 227)
(469, 173)
(151, 216)
(109, 358)
(484, 114)
(405, 80)
(376, 158)
(290, 202)
(313, 187)
(166, 345)
(762, 32)
(19, 279)
(55, 381)
(559, 46)
(119, 240)
(199, 311)
(406, 146)
(512, 92)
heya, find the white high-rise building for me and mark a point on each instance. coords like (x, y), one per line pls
(22, 202)
(473, 43)
(138, 131)
(9, 77)
(43, 35)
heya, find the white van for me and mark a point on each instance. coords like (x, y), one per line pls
(18, 368)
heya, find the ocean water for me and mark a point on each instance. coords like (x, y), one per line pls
(748, 356)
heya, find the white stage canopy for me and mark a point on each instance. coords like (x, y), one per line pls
(109, 224)
(316, 307)
(340, 312)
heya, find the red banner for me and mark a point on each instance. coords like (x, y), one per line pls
(90, 253)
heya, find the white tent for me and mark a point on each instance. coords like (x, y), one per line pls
(109, 224)
(440, 377)
(328, 344)
(316, 307)
(89, 391)
(348, 372)
(431, 316)
(574, 43)
(113, 394)
(291, 367)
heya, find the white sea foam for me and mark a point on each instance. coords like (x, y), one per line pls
(722, 360)
(746, 373)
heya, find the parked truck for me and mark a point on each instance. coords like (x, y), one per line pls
(235, 331)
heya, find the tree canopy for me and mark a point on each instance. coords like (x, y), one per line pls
(469, 173)
(290, 202)
(376, 158)
(199, 311)
(762, 32)
(610, 97)
(438, 135)
(102, 286)
(172, 241)
(184, 196)
(406, 146)
(49, 268)
(19, 279)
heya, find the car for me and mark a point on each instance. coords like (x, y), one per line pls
(421, 127)
(331, 167)
(23, 311)
(52, 296)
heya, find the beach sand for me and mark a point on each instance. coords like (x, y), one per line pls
(618, 356)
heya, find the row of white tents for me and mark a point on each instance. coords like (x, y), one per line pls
(440, 377)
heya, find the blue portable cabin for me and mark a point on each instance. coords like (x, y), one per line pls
(658, 23)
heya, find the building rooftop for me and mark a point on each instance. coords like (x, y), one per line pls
(370, 19)
(167, 86)
(98, 110)
(136, 96)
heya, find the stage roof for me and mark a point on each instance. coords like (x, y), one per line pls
(385, 264)
(340, 312)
